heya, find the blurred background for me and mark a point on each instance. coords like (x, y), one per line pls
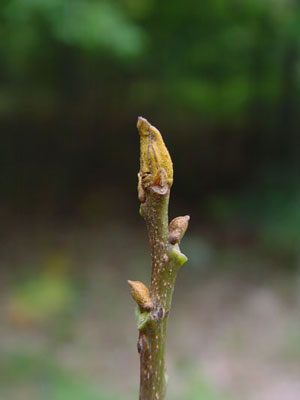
(221, 80)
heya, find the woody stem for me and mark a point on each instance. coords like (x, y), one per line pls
(166, 261)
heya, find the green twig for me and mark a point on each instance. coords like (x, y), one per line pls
(155, 181)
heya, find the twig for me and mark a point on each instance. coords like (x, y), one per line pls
(154, 183)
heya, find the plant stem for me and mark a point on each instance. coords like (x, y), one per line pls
(155, 180)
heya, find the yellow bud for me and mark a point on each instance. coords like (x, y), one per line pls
(140, 293)
(154, 155)
(177, 228)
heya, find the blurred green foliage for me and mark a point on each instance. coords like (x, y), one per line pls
(217, 58)
(199, 388)
(40, 299)
(24, 375)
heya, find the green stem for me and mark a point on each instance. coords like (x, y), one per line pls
(155, 181)
(166, 261)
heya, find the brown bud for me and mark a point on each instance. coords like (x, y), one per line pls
(177, 228)
(140, 293)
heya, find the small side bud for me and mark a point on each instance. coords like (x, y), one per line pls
(177, 228)
(159, 182)
(141, 295)
(141, 191)
(160, 177)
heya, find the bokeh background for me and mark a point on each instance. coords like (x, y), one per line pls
(221, 80)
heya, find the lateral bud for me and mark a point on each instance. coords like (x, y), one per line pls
(177, 228)
(159, 183)
(141, 295)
